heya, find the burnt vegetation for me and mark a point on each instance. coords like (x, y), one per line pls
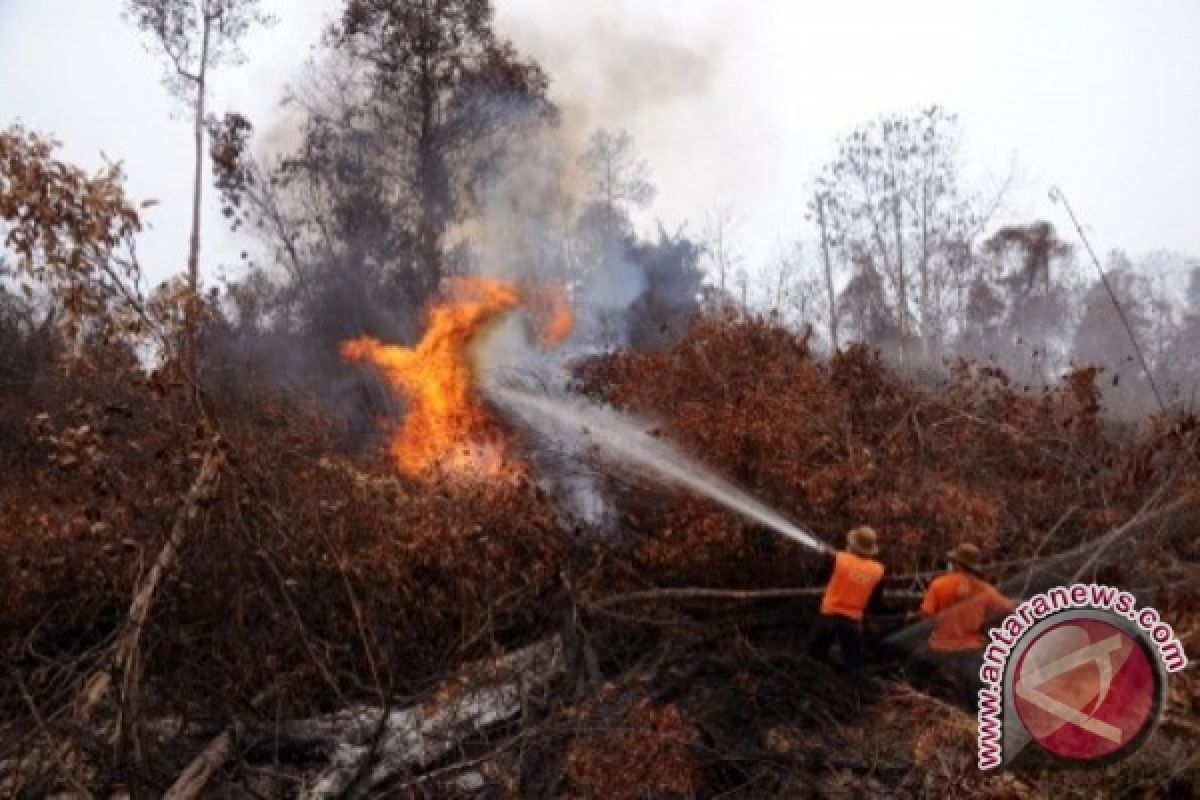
(217, 584)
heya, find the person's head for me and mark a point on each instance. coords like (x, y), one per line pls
(862, 541)
(966, 557)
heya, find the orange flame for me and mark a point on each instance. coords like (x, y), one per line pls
(446, 427)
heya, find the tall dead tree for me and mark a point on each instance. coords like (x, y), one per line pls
(619, 180)
(195, 36)
(819, 202)
(892, 195)
(725, 261)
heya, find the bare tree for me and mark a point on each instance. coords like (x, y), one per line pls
(618, 182)
(892, 194)
(831, 295)
(605, 251)
(721, 224)
(794, 289)
(195, 36)
(619, 178)
(1178, 365)
(779, 285)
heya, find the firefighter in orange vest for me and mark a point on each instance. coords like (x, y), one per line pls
(855, 587)
(959, 604)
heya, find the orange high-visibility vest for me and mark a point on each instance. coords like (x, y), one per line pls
(961, 602)
(854, 579)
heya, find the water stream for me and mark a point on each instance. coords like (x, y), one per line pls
(620, 439)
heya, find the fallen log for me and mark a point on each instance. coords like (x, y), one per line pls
(124, 657)
(371, 745)
(125, 650)
(122, 661)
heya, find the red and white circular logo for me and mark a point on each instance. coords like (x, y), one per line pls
(1085, 689)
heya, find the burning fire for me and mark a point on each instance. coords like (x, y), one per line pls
(447, 427)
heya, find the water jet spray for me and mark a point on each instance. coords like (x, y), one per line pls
(619, 438)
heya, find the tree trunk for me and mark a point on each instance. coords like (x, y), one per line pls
(833, 317)
(431, 214)
(193, 265)
(901, 278)
(126, 646)
(926, 344)
(373, 747)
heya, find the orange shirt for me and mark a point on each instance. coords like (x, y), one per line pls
(854, 579)
(961, 603)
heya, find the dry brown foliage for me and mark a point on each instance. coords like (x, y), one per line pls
(838, 444)
(629, 748)
(313, 582)
(68, 232)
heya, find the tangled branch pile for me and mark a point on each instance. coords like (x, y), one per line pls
(309, 585)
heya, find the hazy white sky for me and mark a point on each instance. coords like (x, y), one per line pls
(732, 101)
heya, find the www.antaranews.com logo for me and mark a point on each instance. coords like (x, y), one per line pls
(1074, 676)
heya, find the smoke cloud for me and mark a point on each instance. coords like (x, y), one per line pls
(607, 72)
